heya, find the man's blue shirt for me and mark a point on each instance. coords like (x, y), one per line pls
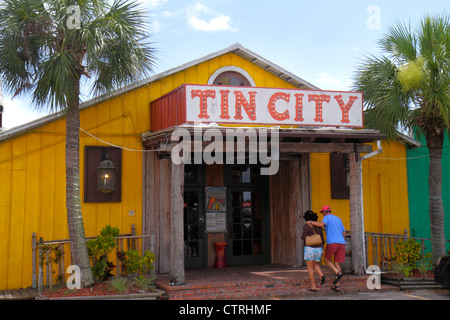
(334, 229)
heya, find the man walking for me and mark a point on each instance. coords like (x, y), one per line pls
(335, 232)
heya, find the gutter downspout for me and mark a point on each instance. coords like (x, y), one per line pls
(364, 157)
(374, 153)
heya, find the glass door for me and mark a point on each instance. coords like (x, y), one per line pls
(194, 252)
(248, 217)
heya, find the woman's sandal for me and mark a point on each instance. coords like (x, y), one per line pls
(312, 290)
(335, 287)
(322, 280)
(338, 277)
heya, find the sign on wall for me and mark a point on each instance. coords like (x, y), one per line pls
(216, 209)
(252, 105)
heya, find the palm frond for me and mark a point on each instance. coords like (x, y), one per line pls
(112, 42)
(386, 106)
(57, 81)
(411, 84)
(399, 43)
(435, 48)
(118, 50)
(23, 33)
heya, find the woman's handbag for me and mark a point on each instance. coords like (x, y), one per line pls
(313, 240)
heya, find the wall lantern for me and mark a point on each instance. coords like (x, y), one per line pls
(106, 178)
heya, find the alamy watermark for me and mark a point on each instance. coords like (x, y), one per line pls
(74, 17)
(74, 280)
(374, 19)
(374, 280)
(220, 148)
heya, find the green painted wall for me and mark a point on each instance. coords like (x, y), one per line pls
(418, 192)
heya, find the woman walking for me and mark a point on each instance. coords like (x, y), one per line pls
(313, 253)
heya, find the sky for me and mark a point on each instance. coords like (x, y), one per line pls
(320, 41)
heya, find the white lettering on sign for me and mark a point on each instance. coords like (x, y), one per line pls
(273, 106)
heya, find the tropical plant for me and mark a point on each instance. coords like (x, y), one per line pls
(407, 87)
(408, 252)
(119, 284)
(132, 262)
(98, 250)
(47, 46)
(144, 282)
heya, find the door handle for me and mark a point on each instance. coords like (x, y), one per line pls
(200, 227)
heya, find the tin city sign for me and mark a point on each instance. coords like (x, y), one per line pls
(274, 106)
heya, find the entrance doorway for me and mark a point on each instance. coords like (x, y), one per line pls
(247, 215)
(247, 230)
(193, 227)
(194, 217)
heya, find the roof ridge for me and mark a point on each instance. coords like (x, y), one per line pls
(236, 48)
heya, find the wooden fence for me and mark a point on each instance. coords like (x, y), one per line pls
(380, 248)
(50, 258)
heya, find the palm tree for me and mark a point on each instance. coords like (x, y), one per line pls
(407, 87)
(47, 46)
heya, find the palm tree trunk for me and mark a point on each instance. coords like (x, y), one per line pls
(436, 205)
(79, 251)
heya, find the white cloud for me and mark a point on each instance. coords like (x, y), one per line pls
(153, 3)
(203, 18)
(155, 27)
(18, 111)
(169, 14)
(326, 81)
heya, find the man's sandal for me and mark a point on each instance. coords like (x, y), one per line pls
(335, 287)
(338, 277)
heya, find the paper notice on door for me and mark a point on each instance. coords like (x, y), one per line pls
(216, 214)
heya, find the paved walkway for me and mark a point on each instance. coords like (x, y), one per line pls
(246, 282)
(242, 282)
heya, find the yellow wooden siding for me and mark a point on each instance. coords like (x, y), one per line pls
(32, 169)
(385, 191)
(32, 173)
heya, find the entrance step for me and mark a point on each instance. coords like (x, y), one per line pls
(239, 289)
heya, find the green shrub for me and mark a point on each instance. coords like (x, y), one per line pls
(119, 284)
(98, 250)
(408, 252)
(132, 262)
(144, 282)
(403, 269)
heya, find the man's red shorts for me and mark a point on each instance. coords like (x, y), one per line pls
(336, 249)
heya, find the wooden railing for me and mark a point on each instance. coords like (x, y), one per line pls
(46, 261)
(380, 248)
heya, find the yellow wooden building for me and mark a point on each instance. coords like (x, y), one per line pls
(32, 176)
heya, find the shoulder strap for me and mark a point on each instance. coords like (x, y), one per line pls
(312, 228)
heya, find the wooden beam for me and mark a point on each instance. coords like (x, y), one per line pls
(356, 214)
(315, 147)
(286, 147)
(177, 276)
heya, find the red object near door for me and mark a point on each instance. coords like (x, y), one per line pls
(220, 261)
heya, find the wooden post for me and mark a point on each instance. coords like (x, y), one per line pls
(41, 267)
(33, 262)
(63, 265)
(49, 269)
(152, 249)
(305, 183)
(133, 241)
(177, 276)
(356, 214)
